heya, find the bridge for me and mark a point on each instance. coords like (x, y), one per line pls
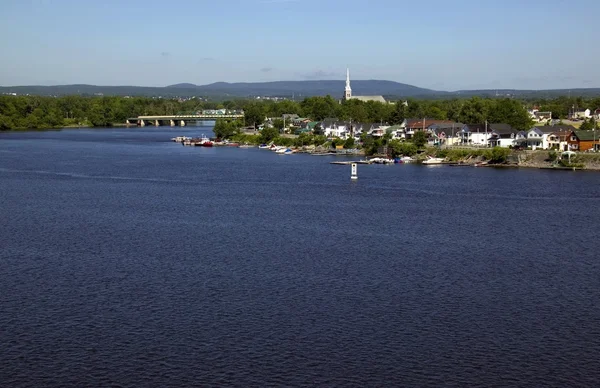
(180, 120)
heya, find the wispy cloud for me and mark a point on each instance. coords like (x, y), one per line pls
(206, 59)
(266, 69)
(165, 54)
(320, 74)
(278, 1)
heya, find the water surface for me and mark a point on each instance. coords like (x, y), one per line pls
(126, 259)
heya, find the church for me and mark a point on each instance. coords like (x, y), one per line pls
(348, 93)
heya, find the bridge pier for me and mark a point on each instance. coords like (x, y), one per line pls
(142, 123)
(182, 123)
(172, 123)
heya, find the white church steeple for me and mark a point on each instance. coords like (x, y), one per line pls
(348, 90)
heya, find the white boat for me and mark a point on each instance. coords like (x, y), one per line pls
(382, 161)
(283, 150)
(406, 159)
(180, 139)
(431, 160)
(246, 146)
(264, 146)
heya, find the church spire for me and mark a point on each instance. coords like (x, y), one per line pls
(348, 90)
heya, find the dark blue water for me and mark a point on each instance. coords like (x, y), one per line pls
(129, 260)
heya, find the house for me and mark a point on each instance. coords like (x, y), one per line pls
(543, 116)
(339, 129)
(538, 116)
(412, 125)
(597, 114)
(299, 121)
(536, 137)
(583, 141)
(580, 114)
(474, 134)
(445, 133)
(289, 117)
(501, 135)
(557, 140)
(396, 131)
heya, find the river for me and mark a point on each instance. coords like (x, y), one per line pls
(130, 260)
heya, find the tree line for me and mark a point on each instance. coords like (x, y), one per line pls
(35, 112)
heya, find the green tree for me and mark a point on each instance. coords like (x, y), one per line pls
(278, 124)
(420, 138)
(225, 129)
(349, 143)
(589, 125)
(254, 114)
(402, 148)
(268, 134)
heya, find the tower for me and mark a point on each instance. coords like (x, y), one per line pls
(348, 90)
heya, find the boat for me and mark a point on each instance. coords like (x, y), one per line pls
(406, 159)
(431, 160)
(263, 146)
(283, 150)
(203, 142)
(382, 161)
(246, 146)
(180, 139)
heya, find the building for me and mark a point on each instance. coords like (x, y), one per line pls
(583, 141)
(501, 135)
(474, 134)
(580, 114)
(348, 93)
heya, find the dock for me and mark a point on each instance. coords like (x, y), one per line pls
(349, 162)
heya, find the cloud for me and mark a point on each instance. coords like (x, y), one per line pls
(278, 1)
(165, 54)
(207, 59)
(320, 74)
(266, 69)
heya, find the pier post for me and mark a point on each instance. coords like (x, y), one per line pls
(142, 123)
(156, 123)
(354, 175)
(172, 123)
(182, 123)
(127, 123)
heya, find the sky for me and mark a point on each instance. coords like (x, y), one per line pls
(436, 44)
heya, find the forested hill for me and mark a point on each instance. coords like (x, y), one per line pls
(296, 89)
(223, 89)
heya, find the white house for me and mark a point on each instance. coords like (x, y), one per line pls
(581, 114)
(501, 135)
(335, 129)
(474, 134)
(597, 114)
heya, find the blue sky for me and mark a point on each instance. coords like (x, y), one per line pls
(444, 45)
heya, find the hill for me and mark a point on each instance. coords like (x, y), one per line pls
(239, 89)
(296, 89)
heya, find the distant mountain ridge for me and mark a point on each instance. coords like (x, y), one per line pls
(289, 89)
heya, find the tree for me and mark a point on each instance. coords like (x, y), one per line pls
(254, 114)
(420, 138)
(589, 125)
(349, 143)
(278, 124)
(226, 129)
(497, 155)
(268, 134)
(402, 148)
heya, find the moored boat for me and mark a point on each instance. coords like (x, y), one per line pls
(431, 160)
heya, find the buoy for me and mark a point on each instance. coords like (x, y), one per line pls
(354, 176)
